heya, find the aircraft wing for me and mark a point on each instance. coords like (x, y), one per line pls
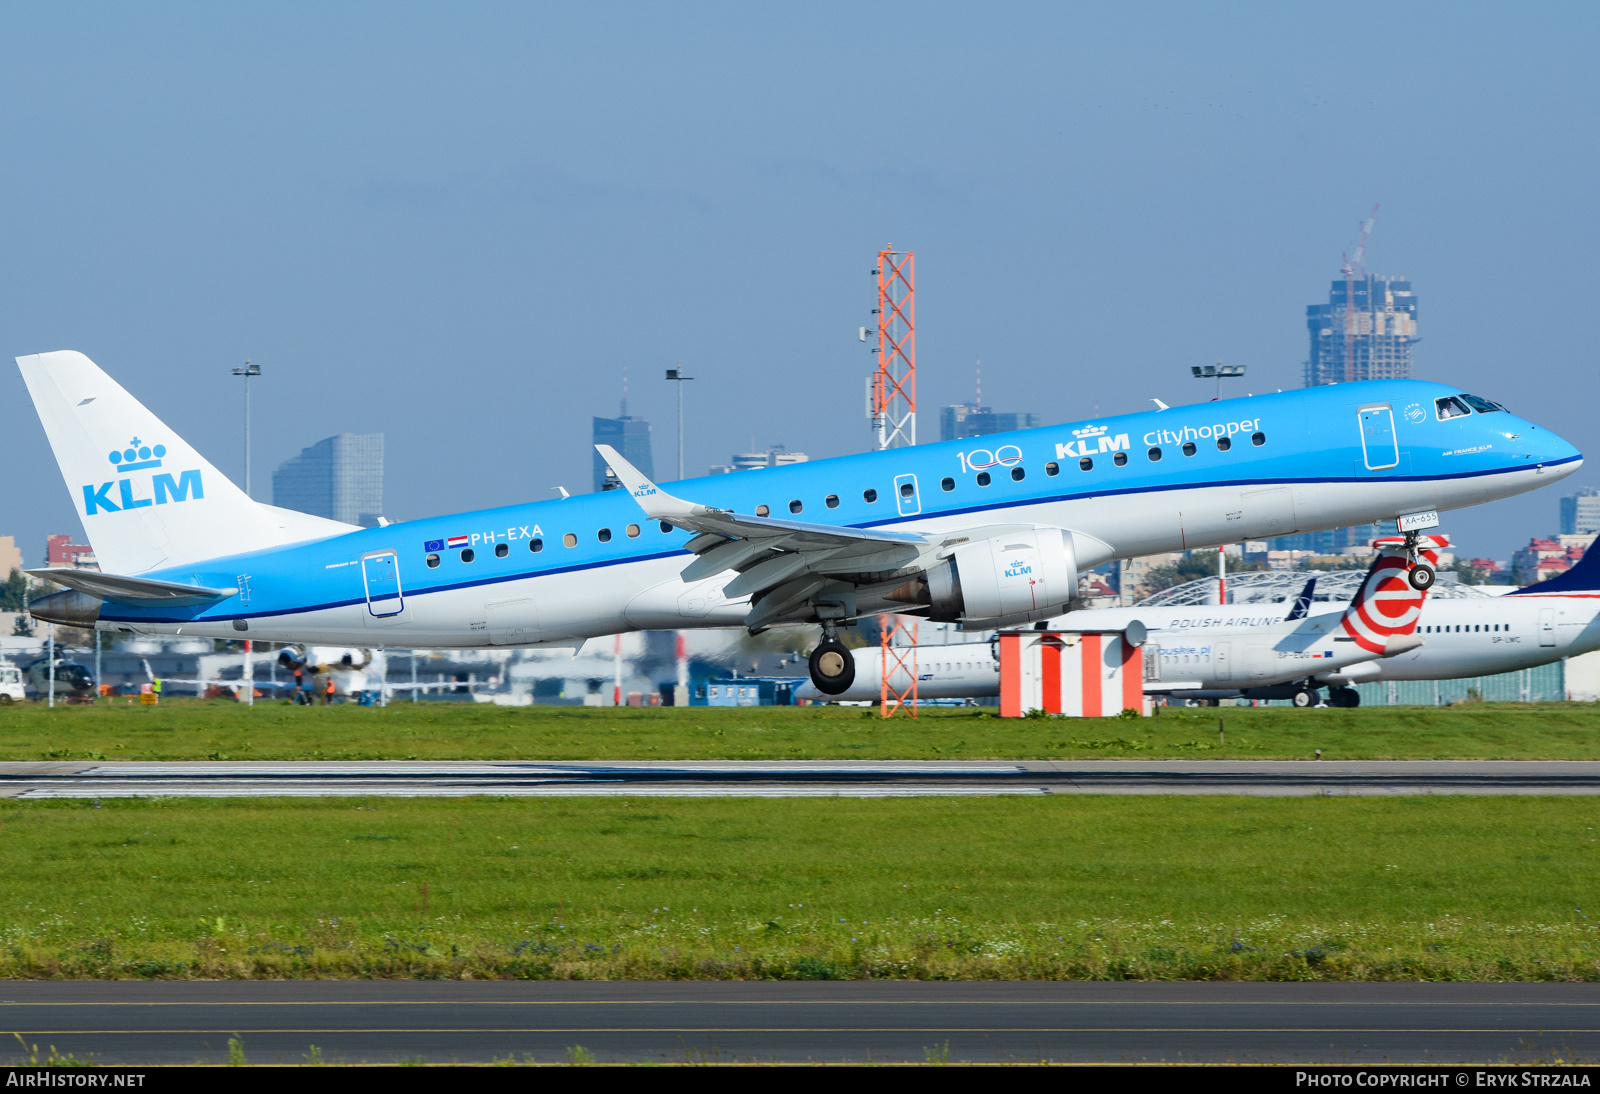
(779, 562)
(137, 591)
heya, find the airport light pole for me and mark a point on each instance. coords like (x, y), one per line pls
(1218, 372)
(247, 370)
(677, 375)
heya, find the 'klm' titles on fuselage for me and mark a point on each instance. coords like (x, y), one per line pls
(186, 487)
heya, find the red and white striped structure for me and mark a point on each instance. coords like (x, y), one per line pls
(1086, 674)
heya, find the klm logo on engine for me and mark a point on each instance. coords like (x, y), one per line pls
(1018, 568)
(162, 488)
(1092, 440)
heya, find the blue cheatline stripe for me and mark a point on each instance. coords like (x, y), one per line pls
(405, 593)
(962, 511)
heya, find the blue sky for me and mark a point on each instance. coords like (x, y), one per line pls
(460, 224)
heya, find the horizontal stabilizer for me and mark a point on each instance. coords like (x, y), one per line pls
(140, 592)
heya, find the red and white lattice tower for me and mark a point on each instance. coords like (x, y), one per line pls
(898, 690)
(894, 384)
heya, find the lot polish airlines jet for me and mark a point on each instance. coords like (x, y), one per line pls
(988, 532)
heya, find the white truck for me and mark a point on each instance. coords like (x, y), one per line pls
(10, 684)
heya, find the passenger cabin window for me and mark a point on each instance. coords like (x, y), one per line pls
(1052, 469)
(665, 527)
(983, 478)
(633, 531)
(1155, 455)
(433, 562)
(796, 506)
(1018, 474)
(1188, 448)
(947, 484)
(908, 490)
(1482, 406)
(603, 535)
(536, 545)
(1258, 439)
(501, 550)
(1223, 444)
(468, 554)
(1086, 464)
(831, 501)
(1450, 407)
(869, 496)
(762, 510)
(1120, 459)
(570, 540)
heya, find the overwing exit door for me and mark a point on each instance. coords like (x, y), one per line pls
(381, 573)
(1378, 446)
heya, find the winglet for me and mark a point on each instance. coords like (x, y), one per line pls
(656, 502)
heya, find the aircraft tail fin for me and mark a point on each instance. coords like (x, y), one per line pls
(1302, 603)
(1383, 616)
(1584, 577)
(147, 499)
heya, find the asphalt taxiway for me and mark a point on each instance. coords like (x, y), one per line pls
(801, 778)
(824, 1022)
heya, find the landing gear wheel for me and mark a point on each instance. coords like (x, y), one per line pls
(1303, 698)
(1344, 697)
(833, 669)
(1421, 577)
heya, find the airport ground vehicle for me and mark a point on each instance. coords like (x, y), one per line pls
(11, 688)
(990, 532)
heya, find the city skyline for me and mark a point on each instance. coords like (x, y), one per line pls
(339, 477)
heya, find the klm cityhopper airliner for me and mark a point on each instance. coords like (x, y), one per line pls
(990, 531)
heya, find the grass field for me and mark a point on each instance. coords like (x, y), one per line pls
(198, 729)
(1063, 887)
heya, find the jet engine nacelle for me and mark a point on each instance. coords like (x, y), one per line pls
(1015, 577)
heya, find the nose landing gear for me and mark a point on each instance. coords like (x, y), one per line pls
(1421, 576)
(833, 667)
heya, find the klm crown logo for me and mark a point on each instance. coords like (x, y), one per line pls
(138, 456)
(1089, 431)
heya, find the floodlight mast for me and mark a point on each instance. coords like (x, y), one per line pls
(677, 374)
(1218, 372)
(247, 370)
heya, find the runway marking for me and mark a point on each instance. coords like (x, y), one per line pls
(809, 1029)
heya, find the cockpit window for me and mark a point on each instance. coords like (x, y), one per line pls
(1450, 407)
(1482, 406)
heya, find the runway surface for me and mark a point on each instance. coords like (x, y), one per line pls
(381, 1021)
(804, 778)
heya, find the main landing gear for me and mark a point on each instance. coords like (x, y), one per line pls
(1344, 697)
(833, 668)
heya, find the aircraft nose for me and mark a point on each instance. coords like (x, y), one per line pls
(1535, 444)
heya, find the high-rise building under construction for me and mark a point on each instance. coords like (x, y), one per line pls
(1364, 332)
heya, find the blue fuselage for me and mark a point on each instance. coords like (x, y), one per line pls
(1186, 477)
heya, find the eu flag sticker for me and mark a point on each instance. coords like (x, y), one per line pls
(433, 545)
